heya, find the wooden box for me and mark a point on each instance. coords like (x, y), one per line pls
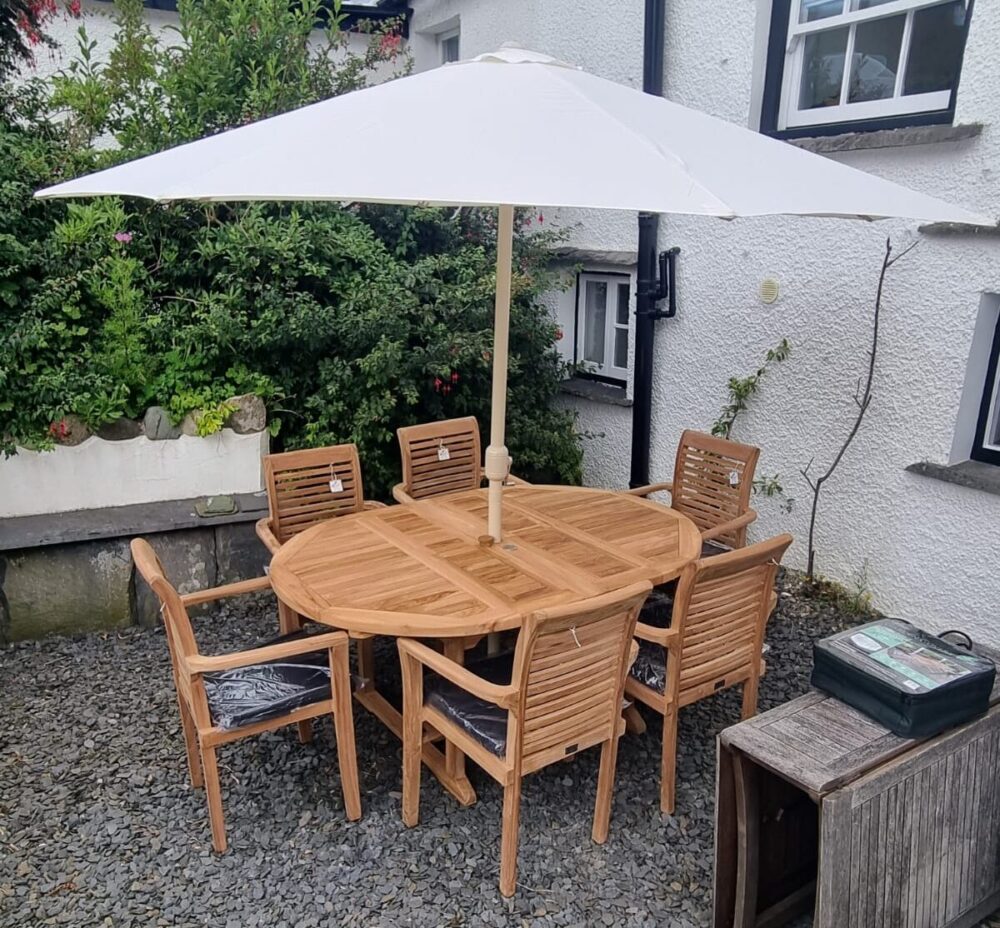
(817, 806)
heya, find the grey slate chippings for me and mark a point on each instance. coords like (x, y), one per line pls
(98, 826)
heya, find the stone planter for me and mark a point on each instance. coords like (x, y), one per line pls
(98, 474)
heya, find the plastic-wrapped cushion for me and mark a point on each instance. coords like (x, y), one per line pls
(259, 692)
(650, 667)
(482, 720)
(712, 548)
(659, 607)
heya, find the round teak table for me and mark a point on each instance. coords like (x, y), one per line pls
(421, 570)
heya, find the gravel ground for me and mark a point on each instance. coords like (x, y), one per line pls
(99, 827)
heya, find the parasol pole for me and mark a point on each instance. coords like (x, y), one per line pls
(497, 462)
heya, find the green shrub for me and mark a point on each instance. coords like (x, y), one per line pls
(349, 321)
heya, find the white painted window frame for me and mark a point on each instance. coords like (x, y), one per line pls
(442, 38)
(611, 324)
(791, 117)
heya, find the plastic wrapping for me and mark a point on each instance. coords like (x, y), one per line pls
(658, 609)
(650, 667)
(259, 692)
(484, 721)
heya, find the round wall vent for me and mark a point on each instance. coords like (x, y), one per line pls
(768, 290)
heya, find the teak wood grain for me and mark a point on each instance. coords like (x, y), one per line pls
(420, 571)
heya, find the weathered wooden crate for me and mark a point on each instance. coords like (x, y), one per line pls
(819, 806)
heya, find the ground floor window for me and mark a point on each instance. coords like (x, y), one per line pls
(603, 304)
(986, 446)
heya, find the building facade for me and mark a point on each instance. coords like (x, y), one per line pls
(920, 106)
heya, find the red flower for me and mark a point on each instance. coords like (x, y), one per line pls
(74, 8)
(437, 383)
(559, 335)
(541, 218)
(59, 430)
(446, 389)
(454, 376)
(389, 44)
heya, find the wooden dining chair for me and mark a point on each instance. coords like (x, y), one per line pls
(558, 693)
(713, 479)
(440, 457)
(305, 488)
(713, 640)
(291, 679)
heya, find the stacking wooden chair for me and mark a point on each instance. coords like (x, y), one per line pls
(440, 457)
(303, 489)
(291, 679)
(714, 640)
(713, 479)
(559, 693)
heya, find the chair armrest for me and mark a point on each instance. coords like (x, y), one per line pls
(257, 585)
(651, 488)
(503, 696)
(724, 528)
(400, 495)
(373, 504)
(266, 535)
(662, 636)
(199, 663)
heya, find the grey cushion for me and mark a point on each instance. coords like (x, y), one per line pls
(650, 667)
(484, 721)
(260, 692)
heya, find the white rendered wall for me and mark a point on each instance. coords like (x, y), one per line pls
(99, 473)
(930, 549)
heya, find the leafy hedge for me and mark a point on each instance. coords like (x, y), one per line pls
(350, 321)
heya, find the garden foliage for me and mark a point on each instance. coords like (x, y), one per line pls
(349, 320)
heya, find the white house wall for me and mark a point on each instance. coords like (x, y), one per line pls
(927, 550)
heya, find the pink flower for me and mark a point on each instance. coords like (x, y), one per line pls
(541, 218)
(74, 8)
(437, 384)
(559, 335)
(124, 237)
(454, 376)
(389, 44)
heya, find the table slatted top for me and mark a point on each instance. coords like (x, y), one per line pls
(419, 569)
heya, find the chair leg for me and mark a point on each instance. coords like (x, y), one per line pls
(289, 621)
(213, 792)
(668, 765)
(509, 836)
(190, 744)
(413, 699)
(750, 687)
(605, 790)
(343, 723)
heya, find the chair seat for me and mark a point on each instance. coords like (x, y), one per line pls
(650, 666)
(712, 548)
(258, 692)
(659, 606)
(482, 720)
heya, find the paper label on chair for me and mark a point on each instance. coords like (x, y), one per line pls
(443, 453)
(336, 485)
(734, 478)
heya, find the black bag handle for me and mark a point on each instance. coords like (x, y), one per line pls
(965, 643)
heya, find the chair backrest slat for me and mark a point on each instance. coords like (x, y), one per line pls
(713, 478)
(570, 667)
(424, 473)
(721, 610)
(299, 491)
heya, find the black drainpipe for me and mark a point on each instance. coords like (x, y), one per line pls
(648, 288)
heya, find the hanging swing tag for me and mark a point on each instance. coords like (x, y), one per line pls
(443, 453)
(734, 478)
(336, 485)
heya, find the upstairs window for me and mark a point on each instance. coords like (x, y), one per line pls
(602, 325)
(986, 446)
(847, 65)
(448, 46)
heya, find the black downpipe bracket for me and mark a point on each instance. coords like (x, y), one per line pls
(648, 287)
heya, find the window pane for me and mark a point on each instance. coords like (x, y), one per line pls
(823, 68)
(449, 49)
(621, 348)
(868, 4)
(595, 312)
(935, 48)
(876, 59)
(811, 10)
(622, 316)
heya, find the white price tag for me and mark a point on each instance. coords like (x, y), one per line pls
(443, 453)
(336, 485)
(734, 478)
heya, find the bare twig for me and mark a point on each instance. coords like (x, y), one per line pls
(861, 399)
